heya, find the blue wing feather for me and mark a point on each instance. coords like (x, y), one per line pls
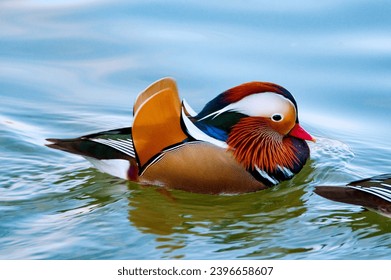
(213, 131)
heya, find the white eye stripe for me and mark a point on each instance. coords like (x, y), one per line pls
(264, 104)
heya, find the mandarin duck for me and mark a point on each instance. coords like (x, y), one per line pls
(246, 139)
(372, 193)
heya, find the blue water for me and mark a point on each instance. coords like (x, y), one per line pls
(68, 68)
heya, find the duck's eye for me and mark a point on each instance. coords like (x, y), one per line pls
(277, 117)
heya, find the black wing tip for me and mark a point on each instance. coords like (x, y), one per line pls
(57, 144)
(372, 193)
(56, 141)
(321, 189)
(330, 192)
(343, 194)
(346, 194)
(52, 141)
(66, 145)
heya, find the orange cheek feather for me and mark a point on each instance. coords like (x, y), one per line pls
(255, 145)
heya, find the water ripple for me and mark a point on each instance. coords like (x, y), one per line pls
(75, 67)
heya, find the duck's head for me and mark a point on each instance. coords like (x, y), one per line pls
(259, 122)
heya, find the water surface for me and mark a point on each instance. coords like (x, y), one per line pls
(68, 68)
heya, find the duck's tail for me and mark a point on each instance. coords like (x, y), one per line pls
(109, 151)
